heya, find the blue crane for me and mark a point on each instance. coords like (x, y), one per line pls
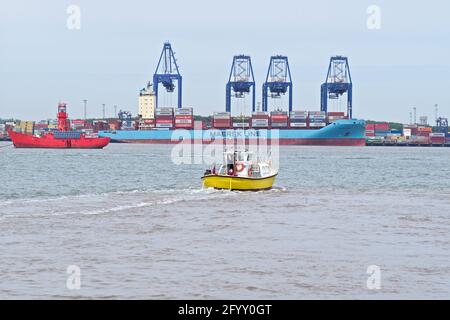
(442, 125)
(241, 80)
(278, 81)
(125, 117)
(167, 73)
(338, 82)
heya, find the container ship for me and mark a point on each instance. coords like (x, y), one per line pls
(156, 124)
(62, 138)
(294, 128)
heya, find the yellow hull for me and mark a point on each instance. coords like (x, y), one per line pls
(238, 183)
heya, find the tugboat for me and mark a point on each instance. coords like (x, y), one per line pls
(63, 138)
(241, 171)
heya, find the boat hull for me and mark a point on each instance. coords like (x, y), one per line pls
(339, 133)
(238, 183)
(21, 140)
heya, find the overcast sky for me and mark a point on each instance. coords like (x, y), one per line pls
(115, 52)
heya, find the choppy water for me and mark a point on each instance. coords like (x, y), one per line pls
(140, 227)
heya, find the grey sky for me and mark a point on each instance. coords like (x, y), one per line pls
(115, 53)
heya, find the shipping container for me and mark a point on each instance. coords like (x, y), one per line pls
(184, 117)
(185, 121)
(279, 124)
(241, 125)
(336, 114)
(317, 113)
(221, 115)
(299, 115)
(425, 129)
(260, 115)
(184, 126)
(164, 121)
(382, 127)
(298, 124)
(317, 124)
(260, 123)
(184, 111)
(164, 125)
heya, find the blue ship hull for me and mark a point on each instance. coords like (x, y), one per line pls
(339, 133)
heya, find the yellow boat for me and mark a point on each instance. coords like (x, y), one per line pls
(241, 171)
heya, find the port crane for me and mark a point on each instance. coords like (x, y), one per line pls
(167, 73)
(442, 125)
(241, 81)
(338, 82)
(278, 81)
(125, 117)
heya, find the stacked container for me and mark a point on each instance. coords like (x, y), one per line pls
(279, 119)
(53, 124)
(26, 127)
(184, 118)
(298, 119)
(437, 138)
(334, 116)
(146, 124)
(100, 125)
(260, 120)
(40, 127)
(382, 129)
(78, 124)
(164, 118)
(370, 130)
(424, 131)
(114, 124)
(421, 140)
(2, 130)
(317, 119)
(241, 122)
(222, 120)
(410, 129)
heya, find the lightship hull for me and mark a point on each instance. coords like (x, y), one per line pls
(339, 133)
(21, 140)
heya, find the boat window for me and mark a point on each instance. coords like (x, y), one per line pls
(222, 170)
(230, 157)
(256, 172)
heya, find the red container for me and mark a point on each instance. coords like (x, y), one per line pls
(164, 121)
(382, 127)
(222, 123)
(164, 117)
(370, 126)
(437, 140)
(78, 122)
(184, 125)
(336, 114)
(280, 117)
(184, 117)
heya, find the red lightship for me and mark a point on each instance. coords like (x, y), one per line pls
(63, 138)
